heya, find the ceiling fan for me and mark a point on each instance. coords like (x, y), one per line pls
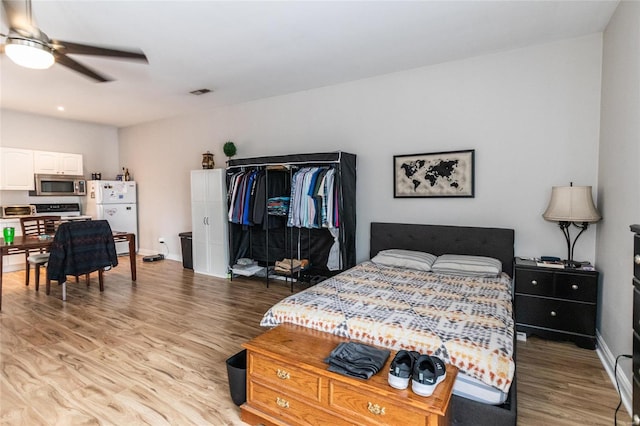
(28, 46)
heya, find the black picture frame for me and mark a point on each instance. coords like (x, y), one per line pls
(434, 175)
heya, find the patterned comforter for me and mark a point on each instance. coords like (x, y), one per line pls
(465, 321)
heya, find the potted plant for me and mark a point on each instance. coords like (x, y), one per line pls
(229, 149)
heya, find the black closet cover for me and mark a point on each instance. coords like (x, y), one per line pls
(276, 245)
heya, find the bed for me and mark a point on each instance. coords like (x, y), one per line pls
(377, 305)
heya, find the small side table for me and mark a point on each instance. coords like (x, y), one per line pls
(555, 303)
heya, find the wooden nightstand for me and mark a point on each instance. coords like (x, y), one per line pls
(556, 303)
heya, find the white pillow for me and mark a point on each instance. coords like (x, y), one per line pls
(405, 259)
(472, 266)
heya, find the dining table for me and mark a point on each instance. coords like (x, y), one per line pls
(24, 244)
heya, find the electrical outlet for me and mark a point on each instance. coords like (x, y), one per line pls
(161, 240)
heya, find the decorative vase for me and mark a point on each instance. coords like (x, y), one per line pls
(207, 160)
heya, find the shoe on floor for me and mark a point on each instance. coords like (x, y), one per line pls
(428, 372)
(401, 369)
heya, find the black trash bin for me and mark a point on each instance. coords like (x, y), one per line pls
(187, 255)
(237, 372)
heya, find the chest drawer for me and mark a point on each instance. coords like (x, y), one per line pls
(636, 310)
(281, 405)
(534, 282)
(370, 409)
(576, 287)
(556, 314)
(636, 355)
(281, 375)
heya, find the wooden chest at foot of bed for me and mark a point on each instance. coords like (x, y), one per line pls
(288, 383)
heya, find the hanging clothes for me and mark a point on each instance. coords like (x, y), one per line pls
(311, 204)
(248, 195)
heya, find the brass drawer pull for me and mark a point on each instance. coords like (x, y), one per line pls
(283, 403)
(375, 409)
(283, 374)
(574, 287)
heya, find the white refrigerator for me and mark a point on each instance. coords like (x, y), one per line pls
(115, 201)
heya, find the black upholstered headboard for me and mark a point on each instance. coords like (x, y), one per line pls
(440, 239)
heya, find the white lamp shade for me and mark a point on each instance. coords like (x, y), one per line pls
(571, 204)
(29, 53)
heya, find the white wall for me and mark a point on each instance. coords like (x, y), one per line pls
(532, 115)
(619, 177)
(96, 142)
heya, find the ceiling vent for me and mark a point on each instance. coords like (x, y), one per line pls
(200, 92)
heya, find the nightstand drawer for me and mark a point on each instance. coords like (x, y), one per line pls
(534, 282)
(556, 314)
(577, 287)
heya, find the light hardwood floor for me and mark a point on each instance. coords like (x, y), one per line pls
(153, 352)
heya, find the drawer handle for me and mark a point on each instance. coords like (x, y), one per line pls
(283, 374)
(636, 420)
(574, 287)
(375, 409)
(283, 403)
(553, 313)
(636, 259)
(534, 282)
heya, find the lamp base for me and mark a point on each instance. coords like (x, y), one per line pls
(574, 264)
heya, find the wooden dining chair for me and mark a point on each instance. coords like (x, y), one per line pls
(79, 248)
(35, 226)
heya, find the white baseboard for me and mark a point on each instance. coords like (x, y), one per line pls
(609, 361)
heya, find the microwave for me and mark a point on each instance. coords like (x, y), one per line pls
(59, 185)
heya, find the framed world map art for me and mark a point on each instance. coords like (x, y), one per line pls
(437, 174)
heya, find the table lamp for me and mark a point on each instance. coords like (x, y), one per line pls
(571, 205)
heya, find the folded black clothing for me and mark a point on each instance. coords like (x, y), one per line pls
(357, 359)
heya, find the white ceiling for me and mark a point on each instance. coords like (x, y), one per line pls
(251, 50)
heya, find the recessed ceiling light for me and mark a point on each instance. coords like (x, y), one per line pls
(200, 92)
(60, 108)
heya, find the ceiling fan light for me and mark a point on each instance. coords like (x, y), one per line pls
(29, 53)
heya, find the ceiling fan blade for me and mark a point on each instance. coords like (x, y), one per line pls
(67, 48)
(78, 67)
(20, 19)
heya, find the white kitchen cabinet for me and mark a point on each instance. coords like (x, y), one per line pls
(15, 262)
(16, 171)
(209, 222)
(57, 163)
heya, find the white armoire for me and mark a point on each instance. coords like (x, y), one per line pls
(209, 222)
